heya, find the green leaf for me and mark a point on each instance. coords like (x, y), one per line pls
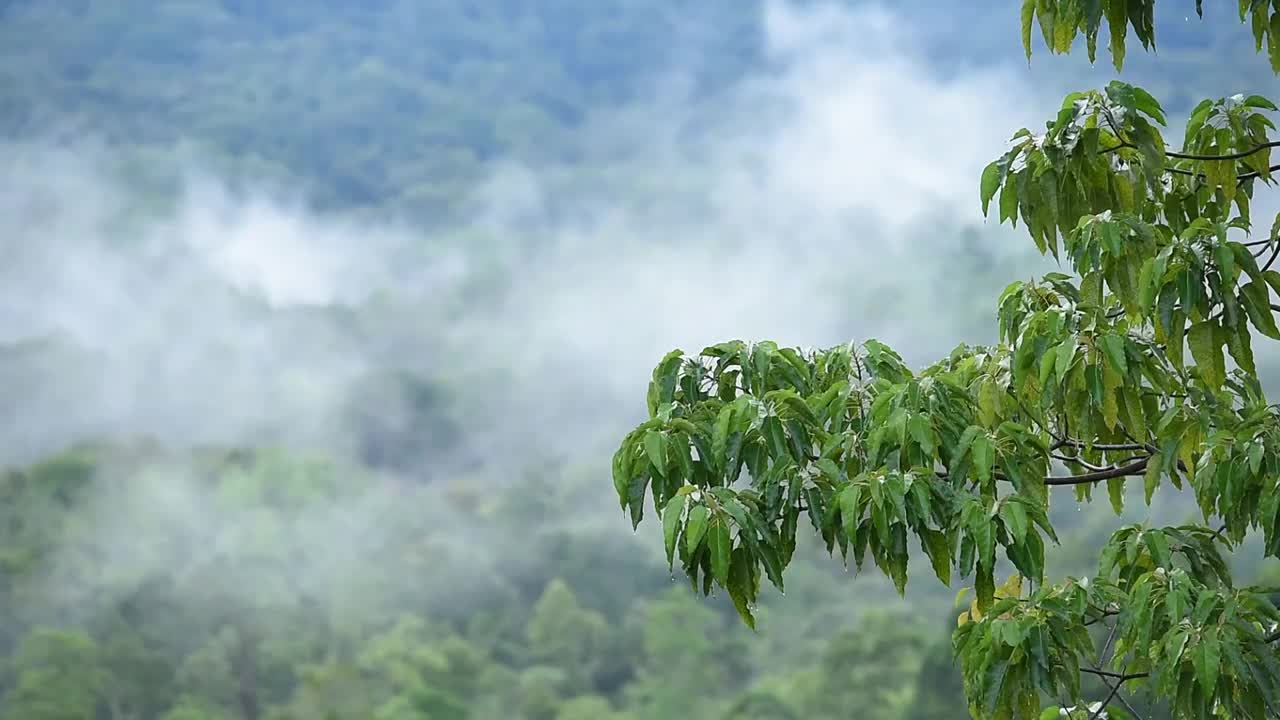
(741, 585)
(1014, 516)
(983, 457)
(965, 443)
(1147, 104)
(1117, 19)
(671, 526)
(1202, 337)
(1047, 362)
(1151, 479)
(1257, 303)
(1028, 19)
(939, 551)
(1113, 347)
(1206, 657)
(849, 511)
(1009, 202)
(1159, 547)
(1258, 101)
(772, 565)
(1115, 490)
(922, 432)
(695, 527)
(622, 471)
(655, 447)
(1066, 355)
(721, 547)
(990, 183)
(989, 402)
(1240, 344)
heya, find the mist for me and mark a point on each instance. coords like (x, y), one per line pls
(246, 431)
(816, 204)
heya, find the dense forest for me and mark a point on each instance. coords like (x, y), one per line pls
(399, 106)
(378, 491)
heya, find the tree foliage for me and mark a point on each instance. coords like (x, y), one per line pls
(1135, 366)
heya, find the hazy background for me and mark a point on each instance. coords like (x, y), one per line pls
(320, 320)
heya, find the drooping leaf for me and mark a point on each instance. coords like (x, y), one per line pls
(655, 447)
(720, 544)
(695, 526)
(671, 517)
(990, 184)
(1253, 295)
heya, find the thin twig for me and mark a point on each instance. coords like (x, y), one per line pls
(1192, 156)
(1122, 677)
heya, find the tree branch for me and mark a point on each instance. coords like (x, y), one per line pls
(1122, 677)
(1240, 155)
(1239, 178)
(1115, 690)
(1109, 446)
(1133, 468)
(1229, 156)
(1271, 260)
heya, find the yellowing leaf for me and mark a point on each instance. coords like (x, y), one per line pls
(1202, 337)
(989, 402)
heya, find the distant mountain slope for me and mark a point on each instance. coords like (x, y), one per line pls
(401, 103)
(372, 100)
